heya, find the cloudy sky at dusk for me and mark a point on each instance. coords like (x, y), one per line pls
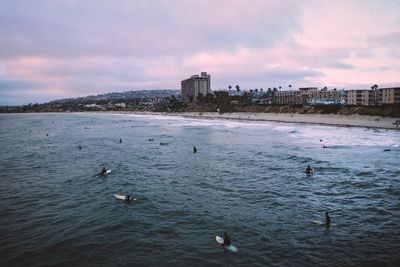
(68, 48)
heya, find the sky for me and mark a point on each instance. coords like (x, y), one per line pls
(69, 48)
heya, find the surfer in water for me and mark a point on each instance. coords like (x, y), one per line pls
(327, 220)
(128, 198)
(120, 140)
(194, 149)
(309, 170)
(103, 171)
(227, 239)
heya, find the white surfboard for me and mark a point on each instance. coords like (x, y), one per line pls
(220, 241)
(100, 174)
(318, 222)
(311, 172)
(121, 197)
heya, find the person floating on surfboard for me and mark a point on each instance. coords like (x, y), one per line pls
(327, 220)
(120, 140)
(129, 198)
(226, 243)
(309, 170)
(227, 239)
(103, 172)
(194, 149)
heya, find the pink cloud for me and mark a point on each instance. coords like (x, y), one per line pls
(76, 47)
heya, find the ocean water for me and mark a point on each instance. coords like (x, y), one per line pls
(247, 178)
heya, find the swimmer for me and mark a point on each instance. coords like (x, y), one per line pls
(327, 220)
(128, 198)
(227, 239)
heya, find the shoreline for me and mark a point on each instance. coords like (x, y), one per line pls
(355, 120)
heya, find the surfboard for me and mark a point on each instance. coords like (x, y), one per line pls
(100, 174)
(121, 197)
(220, 241)
(318, 222)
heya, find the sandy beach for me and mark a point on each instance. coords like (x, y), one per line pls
(327, 119)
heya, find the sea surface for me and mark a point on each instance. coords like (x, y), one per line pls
(247, 178)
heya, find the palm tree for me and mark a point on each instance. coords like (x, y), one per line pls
(290, 86)
(280, 87)
(229, 87)
(374, 89)
(237, 88)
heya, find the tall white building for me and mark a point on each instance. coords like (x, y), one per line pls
(195, 85)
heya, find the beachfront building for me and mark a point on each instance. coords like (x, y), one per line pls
(367, 97)
(363, 97)
(306, 94)
(356, 97)
(287, 97)
(389, 95)
(326, 97)
(313, 96)
(292, 97)
(195, 85)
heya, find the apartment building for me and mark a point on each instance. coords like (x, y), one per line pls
(326, 97)
(290, 97)
(354, 97)
(195, 85)
(389, 95)
(368, 97)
